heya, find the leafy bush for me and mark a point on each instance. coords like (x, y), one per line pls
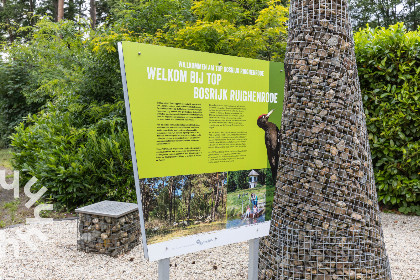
(78, 145)
(389, 72)
(36, 72)
(78, 164)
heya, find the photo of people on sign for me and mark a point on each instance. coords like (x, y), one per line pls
(249, 197)
(203, 132)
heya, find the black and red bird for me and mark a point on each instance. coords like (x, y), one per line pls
(272, 142)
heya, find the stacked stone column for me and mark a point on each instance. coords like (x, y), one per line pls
(325, 222)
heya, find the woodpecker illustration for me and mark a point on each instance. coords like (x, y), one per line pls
(272, 141)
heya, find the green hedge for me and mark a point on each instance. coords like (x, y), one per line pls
(388, 62)
(77, 164)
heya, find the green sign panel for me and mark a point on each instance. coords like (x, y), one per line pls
(195, 112)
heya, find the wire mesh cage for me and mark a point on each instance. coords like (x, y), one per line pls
(324, 254)
(108, 235)
(325, 221)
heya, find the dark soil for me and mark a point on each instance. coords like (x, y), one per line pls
(13, 211)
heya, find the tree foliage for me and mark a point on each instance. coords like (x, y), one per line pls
(239, 180)
(15, 14)
(186, 197)
(77, 144)
(264, 38)
(14, 106)
(384, 13)
(63, 81)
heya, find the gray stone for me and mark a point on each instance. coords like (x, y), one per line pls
(108, 235)
(318, 163)
(341, 204)
(341, 146)
(356, 216)
(324, 194)
(333, 41)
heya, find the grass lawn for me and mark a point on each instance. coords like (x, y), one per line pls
(234, 202)
(5, 157)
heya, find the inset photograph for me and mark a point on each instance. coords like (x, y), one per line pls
(178, 206)
(249, 197)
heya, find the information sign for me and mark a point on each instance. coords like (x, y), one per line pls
(199, 158)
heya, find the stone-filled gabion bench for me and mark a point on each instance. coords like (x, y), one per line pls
(108, 227)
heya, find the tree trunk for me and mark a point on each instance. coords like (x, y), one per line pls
(174, 203)
(60, 13)
(146, 197)
(188, 201)
(93, 14)
(216, 199)
(222, 195)
(189, 206)
(170, 204)
(31, 10)
(170, 191)
(8, 25)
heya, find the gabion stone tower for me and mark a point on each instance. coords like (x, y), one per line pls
(325, 221)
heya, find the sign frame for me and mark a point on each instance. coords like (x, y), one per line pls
(191, 243)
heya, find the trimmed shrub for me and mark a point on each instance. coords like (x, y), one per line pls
(389, 72)
(77, 164)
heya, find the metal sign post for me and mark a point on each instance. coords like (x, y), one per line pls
(254, 244)
(163, 269)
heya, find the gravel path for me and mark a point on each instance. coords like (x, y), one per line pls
(57, 257)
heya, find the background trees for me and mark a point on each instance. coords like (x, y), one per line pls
(384, 13)
(188, 197)
(239, 180)
(152, 15)
(61, 91)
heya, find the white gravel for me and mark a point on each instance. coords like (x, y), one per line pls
(402, 241)
(58, 258)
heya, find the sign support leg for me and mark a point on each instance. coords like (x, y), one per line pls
(254, 245)
(163, 269)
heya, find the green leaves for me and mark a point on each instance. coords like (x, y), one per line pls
(228, 28)
(78, 164)
(77, 146)
(14, 105)
(392, 106)
(212, 10)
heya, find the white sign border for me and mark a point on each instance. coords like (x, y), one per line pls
(191, 243)
(133, 149)
(207, 240)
